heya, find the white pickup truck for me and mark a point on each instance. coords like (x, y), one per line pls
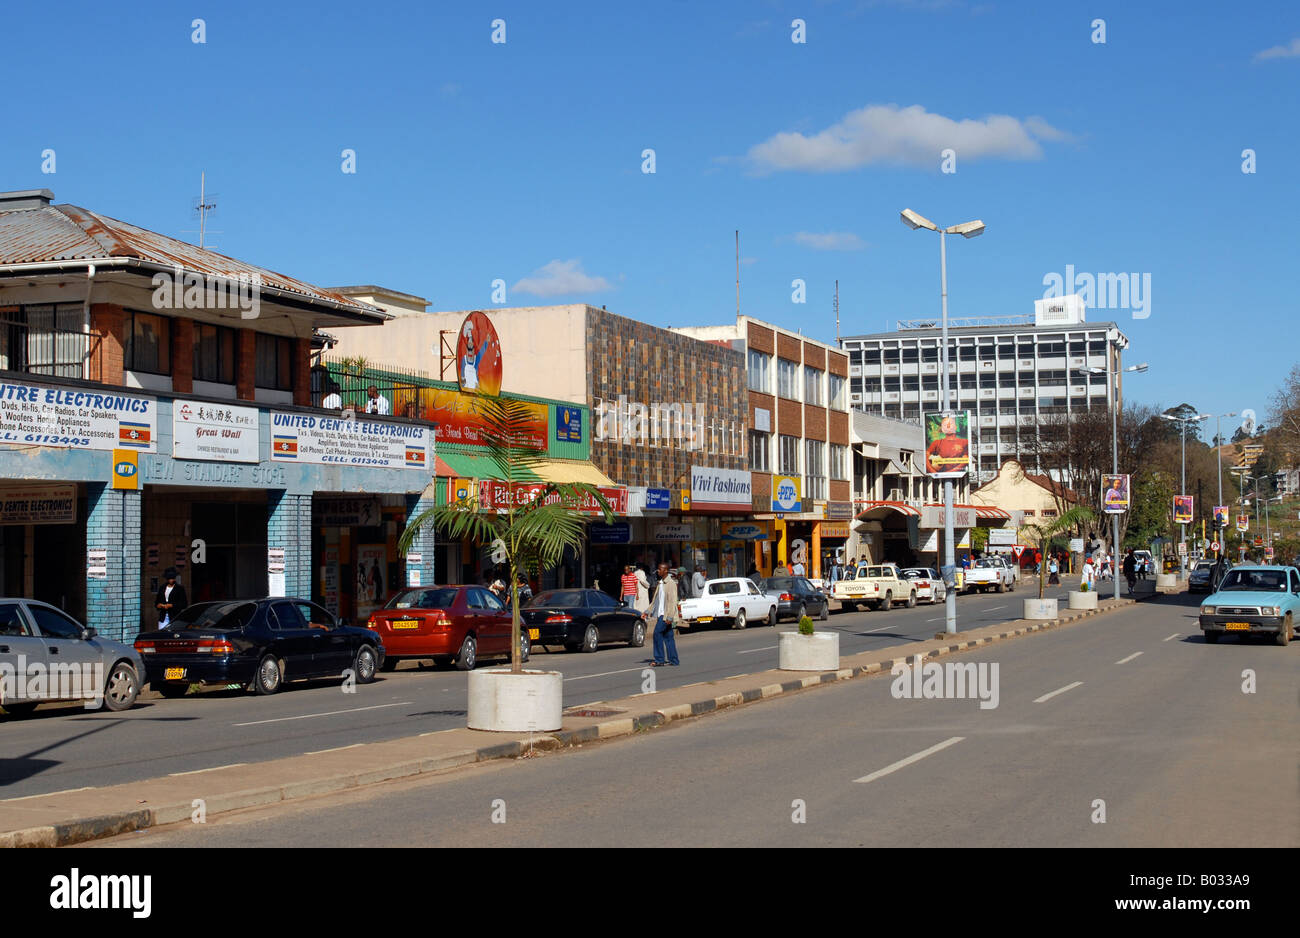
(877, 585)
(990, 573)
(734, 599)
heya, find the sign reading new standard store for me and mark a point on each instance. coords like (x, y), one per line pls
(720, 489)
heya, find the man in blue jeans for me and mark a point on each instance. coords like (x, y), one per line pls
(663, 613)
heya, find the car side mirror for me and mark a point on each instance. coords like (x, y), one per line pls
(88, 633)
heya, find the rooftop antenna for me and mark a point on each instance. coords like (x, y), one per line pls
(203, 206)
(737, 273)
(837, 312)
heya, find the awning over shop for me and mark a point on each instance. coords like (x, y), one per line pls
(876, 510)
(571, 470)
(456, 465)
(990, 513)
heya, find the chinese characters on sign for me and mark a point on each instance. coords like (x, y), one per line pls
(214, 431)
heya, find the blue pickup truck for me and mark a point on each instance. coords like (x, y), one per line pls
(1254, 599)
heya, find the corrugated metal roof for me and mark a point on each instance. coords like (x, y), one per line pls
(56, 233)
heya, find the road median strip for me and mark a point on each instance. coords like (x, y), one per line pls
(41, 820)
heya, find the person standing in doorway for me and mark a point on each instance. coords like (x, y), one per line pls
(376, 403)
(170, 599)
(663, 613)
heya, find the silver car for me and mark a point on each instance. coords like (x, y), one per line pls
(46, 655)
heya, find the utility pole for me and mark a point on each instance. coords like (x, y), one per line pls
(837, 312)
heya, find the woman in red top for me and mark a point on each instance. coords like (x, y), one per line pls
(628, 584)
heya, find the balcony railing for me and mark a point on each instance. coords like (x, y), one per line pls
(33, 347)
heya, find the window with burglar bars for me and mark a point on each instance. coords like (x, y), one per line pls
(47, 339)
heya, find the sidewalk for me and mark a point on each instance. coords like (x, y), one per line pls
(71, 817)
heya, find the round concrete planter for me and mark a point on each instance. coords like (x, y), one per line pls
(515, 703)
(819, 651)
(1166, 581)
(1040, 609)
(1086, 600)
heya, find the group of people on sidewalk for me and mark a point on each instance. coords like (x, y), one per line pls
(661, 607)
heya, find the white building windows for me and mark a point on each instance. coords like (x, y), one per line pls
(760, 366)
(760, 451)
(812, 385)
(787, 379)
(789, 464)
(815, 474)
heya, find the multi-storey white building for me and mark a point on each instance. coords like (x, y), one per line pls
(1007, 371)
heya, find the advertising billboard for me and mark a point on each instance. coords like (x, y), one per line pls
(947, 444)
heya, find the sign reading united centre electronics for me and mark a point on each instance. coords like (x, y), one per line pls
(37, 415)
(332, 441)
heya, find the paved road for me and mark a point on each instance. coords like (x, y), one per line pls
(61, 749)
(1133, 710)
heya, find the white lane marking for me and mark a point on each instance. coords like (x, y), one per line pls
(1129, 658)
(1175, 635)
(750, 651)
(583, 677)
(328, 713)
(49, 794)
(215, 768)
(883, 627)
(994, 608)
(903, 763)
(936, 619)
(317, 752)
(1060, 691)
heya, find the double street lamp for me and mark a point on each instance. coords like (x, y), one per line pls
(1183, 423)
(968, 229)
(1218, 464)
(1114, 455)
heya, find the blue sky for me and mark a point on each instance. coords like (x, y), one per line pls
(523, 160)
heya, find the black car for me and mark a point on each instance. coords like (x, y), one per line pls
(582, 618)
(260, 643)
(795, 597)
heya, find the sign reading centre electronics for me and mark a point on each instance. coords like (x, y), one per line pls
(333, 441)
(34, 414)
(38, 504)
(214, 431)
(719, 489)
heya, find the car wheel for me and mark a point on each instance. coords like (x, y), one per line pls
(468, 656)
(999, 588)
(123, 687)
(363, 666)
(638, 635)
(741, 620)
(911, 600)
(525, 646)
(267, 679)
(1284, 634)
(590, 639)
(1210, 636)
(803, 611)
(172, 691)
(772, 616)
(826, 610)
(389, 665)
(19, 709)
(887, 604)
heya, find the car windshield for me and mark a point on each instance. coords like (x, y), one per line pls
(227, 616)
(423, 599)
(1266, 580)
(1205, 565)
(568, 598)
(783, 583)
(985, 563)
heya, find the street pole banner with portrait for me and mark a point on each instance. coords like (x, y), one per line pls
(1114, 494)
(1243, 523)
(947, 445)
(1220, 516)
(1182, 509)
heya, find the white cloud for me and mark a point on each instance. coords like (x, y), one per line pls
(1289, 51)
(830, 241)
(559, 278)
(909, 136)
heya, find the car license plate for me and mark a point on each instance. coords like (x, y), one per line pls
(174, 674)
(1237, 626)
(704, 619)
(406, 623)
(534, 634)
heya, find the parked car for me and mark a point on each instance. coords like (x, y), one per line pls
(877, 585)
(735, 600)
(930, 587)
(582, 619)
(989, 573)
(1198, 581)
(46, 655)
(448, 624)
(795, 597)
(260, 643)
(1254, 599)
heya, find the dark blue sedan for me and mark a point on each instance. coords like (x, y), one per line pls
(581, 619)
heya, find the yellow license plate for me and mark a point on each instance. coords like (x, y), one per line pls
(174, 674)
(1237, 626)
(534, 634)
(406, 623)
(704, 619)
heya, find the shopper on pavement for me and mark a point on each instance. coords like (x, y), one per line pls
(170, 600)
(663, 613)
(642, 590)
(1130, 570)
(628, 585)
(699, 580)
(1054, 570)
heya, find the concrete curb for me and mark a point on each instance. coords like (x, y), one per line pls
(94, 828)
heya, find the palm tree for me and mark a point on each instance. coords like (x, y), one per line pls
(535, 528)
(1066, 521)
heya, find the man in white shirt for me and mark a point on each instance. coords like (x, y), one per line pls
(663, 613)
(798, 569)
(377, 403)
(699, 581)
(332, 400)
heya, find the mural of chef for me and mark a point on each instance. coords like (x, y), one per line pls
(478, 356)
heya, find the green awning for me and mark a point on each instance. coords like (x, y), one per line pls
(467, 466)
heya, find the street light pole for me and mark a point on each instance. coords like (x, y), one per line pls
(1182, 527)
(1218, 464)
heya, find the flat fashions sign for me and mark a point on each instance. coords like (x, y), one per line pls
(333, 441)
(719, 489)
(37, 415)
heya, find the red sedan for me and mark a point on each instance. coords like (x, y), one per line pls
(449, 624)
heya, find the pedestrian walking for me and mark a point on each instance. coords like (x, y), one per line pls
(699, 580)
(642, 590)
(1130, 570)
(1054, 570)
(663, 613)
(628, 586)
(1089, 576)
(170, 599)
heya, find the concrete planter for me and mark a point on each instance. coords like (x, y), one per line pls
(1166, 581)
(1086, 600)
(1040, 609)
(819, 651)
(515, 703)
